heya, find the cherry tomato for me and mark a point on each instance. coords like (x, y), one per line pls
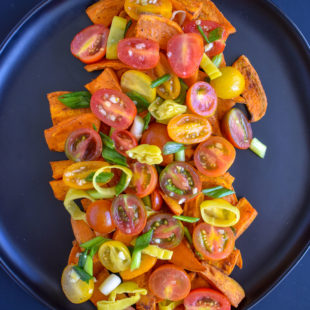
(99, 216)
(90, 44)
(180, 181)
(237, 129)
(184, 52)
(168, 231)
(113, 108)
(129, 214)
(124, 141)
(214, 157)
(142, 54)
(157, 134)
(212, 242)
(143, 181)
(156, 200)
(169, 282)
(189, 129)
(201, 99)
(206, 298)
(207, 26)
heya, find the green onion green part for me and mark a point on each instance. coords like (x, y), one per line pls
(112, 156)
(129, 23)
(103, 177)
(217, 192)
(82, 274)
(203, 34)
(160, 80)
(187, 219)
(215, 34)
(172, 188)
(188, 235)
(95, 127)
(76, 100)
(217, 59)
(107, 141)
(88, 267)
(147, 201)
(120, 186)
(82, 259)
(97, 241)
(182, 96)
(147, 119)
(172, 147)
(141, 103)
(258, 148)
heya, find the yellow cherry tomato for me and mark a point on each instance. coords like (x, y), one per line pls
(230, 84)
(115, 256)
(75, 289)
(146, 154)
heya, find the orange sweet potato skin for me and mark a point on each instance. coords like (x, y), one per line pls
(106, 63)
(59, 189)
(171, 203)
(58, 167)
(82, 232)
(191, 7)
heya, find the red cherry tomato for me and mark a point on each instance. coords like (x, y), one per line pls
(129, 214)
(142, 54)
(184, 52)
(124, 141)
(206, 298)
(207, 26)
(83, 144)
(90, 44)
(113, 108)
(237, 129)
(169, 282)
(156, 200)
(214, 156)
(201, 99)
(212, 242)
(99, 216)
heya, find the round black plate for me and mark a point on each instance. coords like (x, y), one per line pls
(35, 234)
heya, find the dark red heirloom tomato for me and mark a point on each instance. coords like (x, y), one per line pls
(156, 200)
(206, 298)
(213, 48)
(237, 129)
(113, 108)
(129, 214)
(124, 141)
(142, 54)
(83, 144)
(184, 52)
(201, 99)
(90, 44)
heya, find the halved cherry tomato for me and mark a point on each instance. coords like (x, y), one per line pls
(143, 181)
(184, 52)
(214, 157)
(201, 99)
(129, 214)
(124, 141)
(83, 144)
(189, 129)
(206, 298)
(157, 134)
(99, 216)
(113, 108)
(212, 242)
(169, 282)
(168, 231)
(90, 44)
(142, 54)
(207, 26)
(237, 129)
(156, 200)
(180, 181)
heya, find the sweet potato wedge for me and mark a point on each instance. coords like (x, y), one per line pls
(254, 93)
(198, 282)
(82, 232)
(192, 207)
(172, 204)
(119, 236)
(226, 180)
(216, 126)
(59, 189)
(97, 295)
(58, 167)
(73, 256)
(106, 63)
(191, 7)
(85, 203)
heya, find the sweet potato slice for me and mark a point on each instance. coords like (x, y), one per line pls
(97, 295)
(56, 136)
(59, 189)
(172, 204)
(226, 180)
(106, 63)
(254, 93)
(157, 28)
(119, 236)
(82, 232)
(191, 7)
(58, 167)
(240, 261)
(73, 256)
(216, 126)
(228, 286)
(198, 282)
(85, 203)
(192, 207)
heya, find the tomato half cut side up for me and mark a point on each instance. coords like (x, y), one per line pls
(124, 141)
(214, 156)
(206, 298)
(169, 282)
(129, 214)
(201, 99)
(90, 44)
(184, 52)
(113, 108)
(212, 242)
(143, 181)
(237, 129)
(142, 54)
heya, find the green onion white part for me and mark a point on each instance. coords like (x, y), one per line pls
(110, 284)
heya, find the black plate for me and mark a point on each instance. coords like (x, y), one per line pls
(35, 234)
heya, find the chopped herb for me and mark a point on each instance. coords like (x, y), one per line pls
(217, 192)
(187, 219)
(103, 177)
(82, 274)
(113, 156)
(107, 141)
(172, 147)
(76, 100)
(141, 103)
(215, 34)
(95, 127)
(160, 80)
(147, 119)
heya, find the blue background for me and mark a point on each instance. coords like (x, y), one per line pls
(292, 293)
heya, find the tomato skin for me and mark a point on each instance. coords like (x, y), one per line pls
(184, 52)
(206, 297)
(99, 218)
(113, 108)
(169, 282)
(201, 99)
(124, 141)
(156, 200)
(214, 156)
(237, 129)
(97, 48)
(142, 54)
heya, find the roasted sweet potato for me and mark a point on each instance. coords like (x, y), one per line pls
(191, 7)
(254, 93)
(85, 203)
(216, 126)
(97, 295)
(198, 282)
(192, 207)
(73, 256)
(59, 189)
(82, 232)
(58, 167)
(119, 236)
(172, 204)
(226, 180)
(106, 63)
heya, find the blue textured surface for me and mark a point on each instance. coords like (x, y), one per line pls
(292, 293)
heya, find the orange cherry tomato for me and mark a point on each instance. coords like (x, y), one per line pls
(156, 200)
(189, 129)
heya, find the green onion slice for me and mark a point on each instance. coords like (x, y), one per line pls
(182, 96)
(107, 141)
(258, 148)
(217, 192)
(172, 147)
(97, 241)
(188, 235)
(141, 103)
(113, 157)
(160, 80)
(147, 120)
(187, 219)
(82, 274)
